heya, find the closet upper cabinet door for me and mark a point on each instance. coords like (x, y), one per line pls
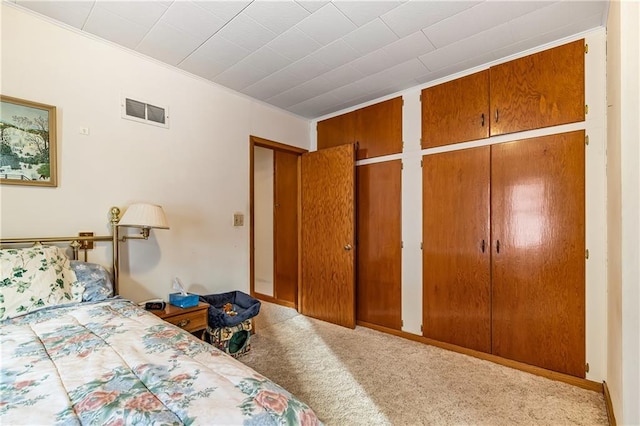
(379, 129)
(456, 111)
(337, 130)
(540, 90)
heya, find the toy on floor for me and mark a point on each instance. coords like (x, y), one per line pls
(228, 309)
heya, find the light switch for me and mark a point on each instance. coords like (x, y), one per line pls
(238, 219)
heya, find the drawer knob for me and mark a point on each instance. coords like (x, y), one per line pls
(183, 323)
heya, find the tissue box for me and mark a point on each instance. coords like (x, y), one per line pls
(188, 301)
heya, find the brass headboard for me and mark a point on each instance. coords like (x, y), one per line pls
(78, 243)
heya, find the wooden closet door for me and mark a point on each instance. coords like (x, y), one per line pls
(456, 111)
(379, 254)
(328, 235)
(285, 227)
(540, 90)
(337, 130)
(538, 250)
(456, 252)
(379, 129)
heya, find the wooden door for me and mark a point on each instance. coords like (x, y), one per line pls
(540, 90)
(538, 267)
(285, 227)
(456, 252)
(379, 237)
(456, 111)
(336, 131)
(328, 235)
(379, 129)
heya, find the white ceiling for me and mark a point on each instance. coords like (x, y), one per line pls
(316, 57)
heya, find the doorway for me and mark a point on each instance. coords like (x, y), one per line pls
(274, 221)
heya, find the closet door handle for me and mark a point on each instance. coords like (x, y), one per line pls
(347, 247)
(483, 246)
(482, 121)
(498, 246)
(497, 115)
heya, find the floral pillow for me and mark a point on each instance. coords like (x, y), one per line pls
(34, 278)
(95, 279)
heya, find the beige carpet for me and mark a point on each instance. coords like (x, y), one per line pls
(364, 377)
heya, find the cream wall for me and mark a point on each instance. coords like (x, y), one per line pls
(595, 126)
(623, 183)
(197, 169)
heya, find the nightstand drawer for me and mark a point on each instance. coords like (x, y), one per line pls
(190, 321)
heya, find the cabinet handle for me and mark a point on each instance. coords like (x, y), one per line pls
(497, 115)
(483, 246)
(183, 323)
(498, 246)
(347, 247)
(482, 119)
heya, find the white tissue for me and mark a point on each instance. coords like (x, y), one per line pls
(177, 285)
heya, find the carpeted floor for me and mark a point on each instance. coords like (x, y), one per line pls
(364, 377)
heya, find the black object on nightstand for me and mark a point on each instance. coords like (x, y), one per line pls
(155, 306)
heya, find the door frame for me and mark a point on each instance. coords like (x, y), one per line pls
(275, 146)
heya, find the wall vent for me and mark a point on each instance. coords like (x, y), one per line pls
(144, 112)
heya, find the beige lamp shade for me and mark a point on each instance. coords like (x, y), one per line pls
(142, 215)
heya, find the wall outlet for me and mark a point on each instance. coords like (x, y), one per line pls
(238, 219)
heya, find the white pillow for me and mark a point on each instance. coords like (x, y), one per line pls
(34, 278)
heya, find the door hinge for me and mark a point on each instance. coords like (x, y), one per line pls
(420, 246)
(586, 109)
(401, 323)
(401, 244)
(586, 367)
(586, 139)
(586, 254)
(586, 50)
(420, 97)
(401, 165)
(403, 102)
(421, 330)
(421, 163)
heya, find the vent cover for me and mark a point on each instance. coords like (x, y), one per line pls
(144, 112)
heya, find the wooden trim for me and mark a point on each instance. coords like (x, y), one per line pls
(272, 299)
(266, 143)
(299, 301)
(607, 402)
(252, 248)
(561, 377)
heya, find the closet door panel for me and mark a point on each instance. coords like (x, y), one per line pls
(538, 251)
(285, 224)
(540, 90)
(336, 131)
(456, 252)
(379, 244)
(379, 129)
(456, 111)
(327, 235)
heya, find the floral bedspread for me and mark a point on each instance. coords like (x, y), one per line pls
(112, 363)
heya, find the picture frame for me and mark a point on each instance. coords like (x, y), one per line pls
(28, 145)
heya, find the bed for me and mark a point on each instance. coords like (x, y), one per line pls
(73, 354)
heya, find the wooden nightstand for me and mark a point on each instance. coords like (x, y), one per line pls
(193, 320)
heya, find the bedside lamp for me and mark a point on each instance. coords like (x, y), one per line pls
(144, 216)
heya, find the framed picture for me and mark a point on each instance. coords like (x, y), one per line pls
(27, 143)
